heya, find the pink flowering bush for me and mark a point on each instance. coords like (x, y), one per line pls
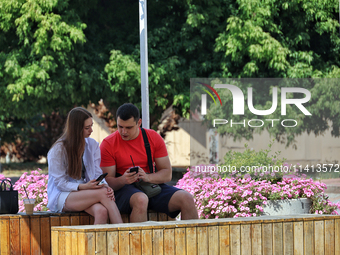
(36, 187)
(242, 196)
(2, 177)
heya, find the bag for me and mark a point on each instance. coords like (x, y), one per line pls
(150, 189)
(8, 199)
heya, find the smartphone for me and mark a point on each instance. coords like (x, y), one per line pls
(100, 178)
(134, 169)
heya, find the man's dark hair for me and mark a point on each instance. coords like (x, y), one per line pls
(127, 111)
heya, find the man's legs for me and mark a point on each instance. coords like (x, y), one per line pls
(183, 201)
(139, 205)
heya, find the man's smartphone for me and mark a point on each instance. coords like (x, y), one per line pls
(134, 169)
(100, 178)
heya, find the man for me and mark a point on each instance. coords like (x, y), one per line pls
(127, 144)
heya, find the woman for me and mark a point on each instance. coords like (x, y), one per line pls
(73, 163)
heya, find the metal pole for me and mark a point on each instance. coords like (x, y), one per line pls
(144, 63)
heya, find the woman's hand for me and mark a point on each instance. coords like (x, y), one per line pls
(110, 192)
(90, 185)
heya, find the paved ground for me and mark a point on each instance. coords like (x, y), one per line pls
(333, 189)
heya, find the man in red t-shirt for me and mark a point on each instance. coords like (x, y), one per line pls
(127, 144)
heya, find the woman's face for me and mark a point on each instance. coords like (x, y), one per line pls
(88, 127)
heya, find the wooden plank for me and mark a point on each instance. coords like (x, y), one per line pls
(84, 220)
(213, 240)
(308, 237)
(235, 237)
(171, 219)
(202, 240)
(45, 232)
(169, 241)
(319, 237)
(90, 245)
(65, 221)
(101, 245)
(54, 221)
(337, 236)
(75, 220)
(256, 242)
(135, 242)
(54, 242)
(224, 240)
(180, 241)
(245, 239)
(329, 237)
(14, 232)
(278, 239)
(191, 239)
(112, 242)
(68, 243)
(158, 245)
(81, 243)
(162, 217)
(267, 238)
(147, 242)
(91, 220)
(35, 236)
(152, 216)
(288, 238)
(124, 242)
(125, 218)
(62, 243)
(25, 236)
(5, 240)
(298, 238)
(74, 238)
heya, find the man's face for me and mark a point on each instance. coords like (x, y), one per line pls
(128, 129)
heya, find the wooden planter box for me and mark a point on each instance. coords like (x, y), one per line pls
(299, 234)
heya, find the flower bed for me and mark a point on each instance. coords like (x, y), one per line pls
(217, 196)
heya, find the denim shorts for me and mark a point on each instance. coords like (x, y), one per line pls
(157, 203)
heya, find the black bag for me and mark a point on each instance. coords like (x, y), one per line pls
(8, 199)
(150, 189)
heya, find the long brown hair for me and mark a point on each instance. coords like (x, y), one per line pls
(74, 141)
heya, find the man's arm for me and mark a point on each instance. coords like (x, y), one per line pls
(118, 182)
(163, 174)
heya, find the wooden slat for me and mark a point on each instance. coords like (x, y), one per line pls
(298, 238)
(68, 243)
(91, 220)
(54, 221)
(319, 234)
(65, 221)
(337, 236)
(213, 240)
(158, 245)
(25, 236)
(135, 243)
(202, 240)
(267, 238)
(5, 241)
(180, 241)
(45, 232)
(245, 239)
(35, 236)
(101, 245)
(171, 219)
(62, 243)
(75, 220)
(277, 239)
(329, 237)
(288, 238)
(152, 216)
(74, 238)
(256, 242)
(84, 220)
(308, 237)
(191, 238)
(112, 242)
(125, 218)
(14, 227)
(90, 243)
(55, 242)
(169, 241)
(162, 217)
(235, 239)
(147, 242)
(224, 240)
(124, 242)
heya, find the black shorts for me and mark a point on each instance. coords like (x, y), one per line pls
(157, 203)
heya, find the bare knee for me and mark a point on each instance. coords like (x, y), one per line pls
(100, 215)
(139, 201)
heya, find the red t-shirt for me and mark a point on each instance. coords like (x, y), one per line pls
(116, 151)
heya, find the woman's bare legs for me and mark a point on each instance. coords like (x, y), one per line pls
(84, 199)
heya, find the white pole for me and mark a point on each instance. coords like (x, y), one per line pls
(144, 63)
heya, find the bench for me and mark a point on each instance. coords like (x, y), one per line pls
(293, 234)
(31, 234)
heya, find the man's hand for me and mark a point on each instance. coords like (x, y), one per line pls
(129, 178)
(90, 185)
(142, 175)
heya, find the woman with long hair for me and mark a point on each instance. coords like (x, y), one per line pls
(73, 166)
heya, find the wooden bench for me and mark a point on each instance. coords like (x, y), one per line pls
(31, 234)
(300, 234)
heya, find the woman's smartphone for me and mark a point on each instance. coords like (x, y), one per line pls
(100, 178)
(134, 169)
